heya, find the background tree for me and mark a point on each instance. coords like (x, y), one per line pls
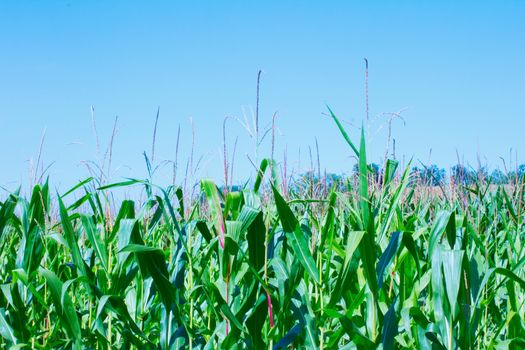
(498, 177)
(431, 175)
(517, 175)
(461, 175)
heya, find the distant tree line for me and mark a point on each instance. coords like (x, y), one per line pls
(431, 175)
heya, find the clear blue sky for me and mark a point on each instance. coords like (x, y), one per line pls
(457, 67)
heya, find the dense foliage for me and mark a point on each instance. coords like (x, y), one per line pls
(370, 264)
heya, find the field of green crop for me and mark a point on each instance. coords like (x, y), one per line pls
(373, 264)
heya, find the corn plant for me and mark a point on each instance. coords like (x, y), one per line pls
(371, 267)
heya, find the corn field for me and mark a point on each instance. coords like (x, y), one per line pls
(373, 265)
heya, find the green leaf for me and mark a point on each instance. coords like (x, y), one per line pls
(394, 203)
(501, 271)
(386, 258)
(262, 170)
(327, 234)
(65, 309)
(77, 186)
(71, 238)
(367, 246)
(353, 241)
(152, 263)
(440, 224)
(203, 229)
(452, 267)
(260, 175)
(256, 237)
(390, 171)
(295, 236)
(225, 309)
(343, 132)
(6, 331)
(389, 328)
(6, 211)
(288, 338)
(286, 216)
(96, 241)
(451, 230)
(120, 184)
(212, 194)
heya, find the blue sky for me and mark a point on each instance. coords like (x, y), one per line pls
(454, 68)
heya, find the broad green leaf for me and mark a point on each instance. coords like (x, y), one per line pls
(6, 331)
(71, 238)
(440, 224)
(296, 236)
(63, 304)
(212, 194)
(387, 257)
(353, 241)
(96, 241)
(389, 328)
(452, 267)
